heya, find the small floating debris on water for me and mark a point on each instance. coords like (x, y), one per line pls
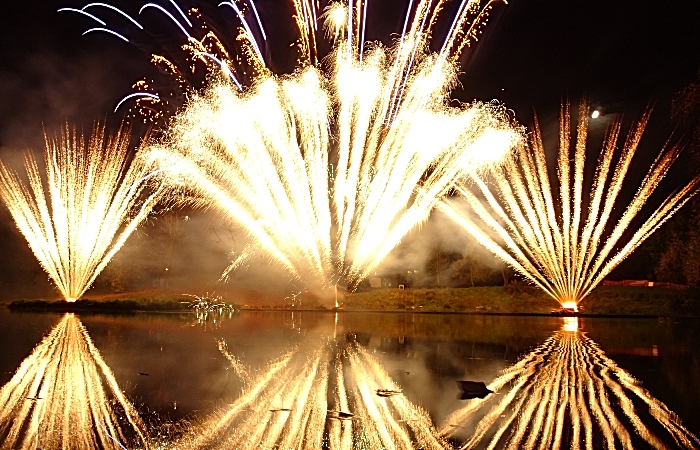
(280, 409)
(144, 374)
(340, 415)
(473, 389)
(387, 392)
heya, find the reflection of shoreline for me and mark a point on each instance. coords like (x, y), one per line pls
(64, 396)
(568, 393)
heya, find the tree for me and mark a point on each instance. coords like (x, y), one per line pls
(679, 261)
(470, 269)
(439, 260)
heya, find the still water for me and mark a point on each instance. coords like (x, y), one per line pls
(347, 380)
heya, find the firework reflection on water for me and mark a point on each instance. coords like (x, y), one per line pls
(567, 393)
(64, 396)
(321, 395)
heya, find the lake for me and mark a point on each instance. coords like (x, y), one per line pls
(347, 380)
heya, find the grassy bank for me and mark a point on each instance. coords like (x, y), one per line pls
(521, 299)
(514, 299)
(147, 300)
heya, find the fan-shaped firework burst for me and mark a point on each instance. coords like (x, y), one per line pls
(81, 215)
(563, 245)
(328, 170)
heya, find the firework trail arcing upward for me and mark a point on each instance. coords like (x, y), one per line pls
(566, 248)
(568, 389)
(81, 215)
(64, 396)
(319, 397)
(328, 170)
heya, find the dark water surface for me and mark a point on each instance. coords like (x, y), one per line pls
(171, 365)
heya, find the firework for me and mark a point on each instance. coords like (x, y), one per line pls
(328, 170)
(64, 396)
(323, 396)
(78, 217)
(81, 215)
(568, 389)
(554, 239)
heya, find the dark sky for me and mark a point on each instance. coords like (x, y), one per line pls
(622, 54)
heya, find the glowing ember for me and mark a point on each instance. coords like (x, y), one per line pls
(92, 202)
(570, 305)
(568, 394)
(328, 170)
(568, 247)
(64, 396)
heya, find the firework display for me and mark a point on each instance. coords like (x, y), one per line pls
(551, 236)
(328, 170)
(81, 214)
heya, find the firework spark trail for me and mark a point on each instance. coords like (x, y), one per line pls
(288, 406)
(392, 422)
(569, 254)
(90, 204)
(561, 395)
(328, 171)
(64, 396)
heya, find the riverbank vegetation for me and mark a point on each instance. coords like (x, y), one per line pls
(515, 298)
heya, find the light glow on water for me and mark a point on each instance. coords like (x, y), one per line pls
(323, 395)
(567, 393)
(64, 396)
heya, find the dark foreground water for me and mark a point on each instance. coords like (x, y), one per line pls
(347, 380)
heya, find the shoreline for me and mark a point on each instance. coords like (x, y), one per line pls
(604, 302)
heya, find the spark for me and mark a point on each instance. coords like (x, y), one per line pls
(182, 13)
(113, 8)
(78, 401)
(328, 169)
(85, 13)
(244, 22)
(106, 30)
(224, 67)
(257, 18)
(566, 389)
(136, 95)
(80, 216)
(167, 13)
(568, 247)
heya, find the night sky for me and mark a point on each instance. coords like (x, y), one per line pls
(622, 55)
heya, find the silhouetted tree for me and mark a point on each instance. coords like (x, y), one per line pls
(679, 259)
